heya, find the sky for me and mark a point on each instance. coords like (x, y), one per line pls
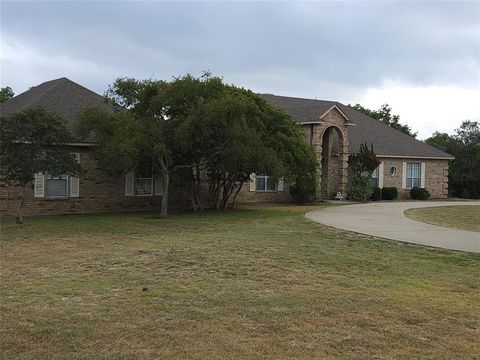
(422, 58)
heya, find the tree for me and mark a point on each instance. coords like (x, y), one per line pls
(201, 130)
(237, 133)
(361, 165)
(384, 114)
(6, 93)
(464, 145)
(140, 135)
(34, 141)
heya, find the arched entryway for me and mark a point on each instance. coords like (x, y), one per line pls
(332, 163)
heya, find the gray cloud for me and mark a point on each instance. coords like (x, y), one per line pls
(330, 50)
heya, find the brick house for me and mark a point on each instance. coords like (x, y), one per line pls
(333, 129)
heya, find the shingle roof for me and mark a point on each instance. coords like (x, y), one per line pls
(68, 99)
(61, 96)
(386, 140)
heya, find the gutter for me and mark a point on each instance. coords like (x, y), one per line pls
(417, 157)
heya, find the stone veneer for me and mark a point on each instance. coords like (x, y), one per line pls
(102, 193)
(337, 166)
(436, 176)
(98, 193)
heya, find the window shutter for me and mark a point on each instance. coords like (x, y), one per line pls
(74, 180)
(404, 176)
(39, 186)
(280, 185)
(129, 182)
(253, 182)
(380, 175)
(422, 176)
(158, 186)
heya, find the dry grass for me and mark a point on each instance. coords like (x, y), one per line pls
(465, 217)
(259, 283)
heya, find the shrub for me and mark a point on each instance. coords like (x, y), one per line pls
(389, 193)
(419, 193)
(376, 194)
(360, 166)
(303, 191)
(360, 188)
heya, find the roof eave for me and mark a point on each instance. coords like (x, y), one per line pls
(416, 157)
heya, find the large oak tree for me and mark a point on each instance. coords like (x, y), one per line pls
(204, 130)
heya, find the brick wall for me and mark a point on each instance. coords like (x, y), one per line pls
(98, 193)
(436, 176)
(102, 193)
(247, 196)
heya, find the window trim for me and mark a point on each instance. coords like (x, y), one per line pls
(392, 171)
(50, 177)
(407, 185)
(265, 190)
(376, 176)
(143, 178)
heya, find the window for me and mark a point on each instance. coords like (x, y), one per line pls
(57, 186)
(414, 174)
(143, 186)
(375, 177)
(393, 171)
(265, 183)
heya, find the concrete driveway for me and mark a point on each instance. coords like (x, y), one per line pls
(386, 220)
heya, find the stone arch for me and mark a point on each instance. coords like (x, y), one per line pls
(333, 162)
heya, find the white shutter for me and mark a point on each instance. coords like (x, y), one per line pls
(253, 182)
(280, 185)
(158, 186)
(404, 176)
(74, 180)
(39, 186)
(422, 176)
(129, 183)
(380, 175)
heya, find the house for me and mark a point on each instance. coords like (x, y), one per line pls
(334, 130)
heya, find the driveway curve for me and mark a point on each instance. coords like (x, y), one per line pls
(386, 220)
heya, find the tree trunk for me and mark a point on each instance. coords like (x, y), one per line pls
(198, 181)
(165, 183)
(19, 217)
(236, 193)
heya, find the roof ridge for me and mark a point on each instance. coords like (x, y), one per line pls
(298, 98)
(80, 85)
(400, 133)
(52, 85)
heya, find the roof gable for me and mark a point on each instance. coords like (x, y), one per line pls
(61, 96)
(386, 140)
(335, 107)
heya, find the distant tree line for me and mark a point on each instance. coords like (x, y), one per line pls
(464, 145)
(384, 114)
(6, 93)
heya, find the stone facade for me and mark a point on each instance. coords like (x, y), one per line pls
(247, 196)
(99, 192)
(436, 176)
(329, 138)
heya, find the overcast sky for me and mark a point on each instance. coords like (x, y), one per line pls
(423, 58)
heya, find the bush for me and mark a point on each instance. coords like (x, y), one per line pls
(360, 188)
(419, 193)
(376, 194)
(389, 193)
(303, 191)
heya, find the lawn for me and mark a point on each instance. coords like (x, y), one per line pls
(262, 282)
(458, 217)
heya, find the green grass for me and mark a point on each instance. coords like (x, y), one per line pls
(465, 217)
(262, 283)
